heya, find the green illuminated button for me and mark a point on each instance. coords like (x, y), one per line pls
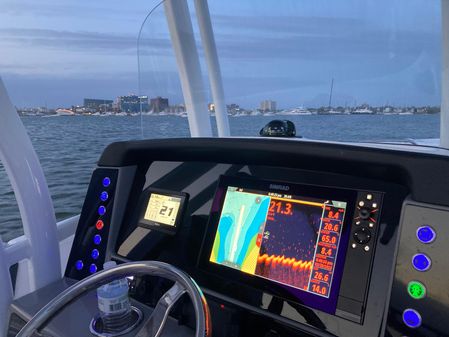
(416, 289)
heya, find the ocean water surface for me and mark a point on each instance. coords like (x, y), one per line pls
(69, 147)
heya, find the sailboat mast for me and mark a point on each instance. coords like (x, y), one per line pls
(330, 94)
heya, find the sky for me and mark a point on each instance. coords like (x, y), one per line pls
(57, 52)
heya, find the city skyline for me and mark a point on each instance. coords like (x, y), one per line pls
(288, 51)
(133, 104)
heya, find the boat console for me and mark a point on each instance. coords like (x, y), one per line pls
(283, 237)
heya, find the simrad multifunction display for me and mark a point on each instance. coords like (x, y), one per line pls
(292, 240)
(281, 237)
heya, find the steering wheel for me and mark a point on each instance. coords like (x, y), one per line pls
(153, 326)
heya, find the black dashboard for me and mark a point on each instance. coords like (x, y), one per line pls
(284, 237)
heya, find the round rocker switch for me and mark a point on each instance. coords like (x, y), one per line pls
(362, 235)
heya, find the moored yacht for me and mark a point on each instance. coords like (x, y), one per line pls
(363, 111)
(64, 112)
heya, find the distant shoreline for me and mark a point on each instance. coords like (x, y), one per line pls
(279, 115)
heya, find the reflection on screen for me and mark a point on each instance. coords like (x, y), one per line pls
(287, 239)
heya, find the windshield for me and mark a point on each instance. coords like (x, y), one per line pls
(85, 74)
(341, 70)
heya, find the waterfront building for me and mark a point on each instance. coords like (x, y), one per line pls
(94, 104)
(267, 106)
(176, 109)
(159, 104)
(133, 103)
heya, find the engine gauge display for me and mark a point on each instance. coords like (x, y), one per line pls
(162, 210)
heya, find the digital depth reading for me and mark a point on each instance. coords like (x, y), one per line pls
(284, 238)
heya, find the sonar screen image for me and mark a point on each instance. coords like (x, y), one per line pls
(287, 239)
(288, 243)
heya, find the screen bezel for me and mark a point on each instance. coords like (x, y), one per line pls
(286, 292)
(161, 227)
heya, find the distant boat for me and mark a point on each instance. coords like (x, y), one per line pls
(296, 111)
(64, 112)
(242, 114)
(363, 111)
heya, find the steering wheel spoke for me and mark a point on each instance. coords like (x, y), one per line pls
(155, 323)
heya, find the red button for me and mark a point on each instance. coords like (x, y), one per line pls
(99, 225)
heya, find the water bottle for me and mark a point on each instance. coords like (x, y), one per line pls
(113, 303)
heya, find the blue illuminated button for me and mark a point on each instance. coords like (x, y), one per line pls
(97, 239)
(421, 262)
(426, 234)
(95, 254)
(93, 268)
(106, 181)
(101, 210)
(411, 318)
(79, 265)
(104, 196)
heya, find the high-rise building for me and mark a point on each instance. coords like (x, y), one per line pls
(267, 105)
(158, 104)
(94, 104)
(133, 103)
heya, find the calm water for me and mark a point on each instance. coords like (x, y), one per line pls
(68, 147)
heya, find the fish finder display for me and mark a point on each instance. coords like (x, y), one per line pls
(289, 239)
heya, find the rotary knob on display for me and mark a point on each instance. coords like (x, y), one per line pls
(362, 235)
(364, 213)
